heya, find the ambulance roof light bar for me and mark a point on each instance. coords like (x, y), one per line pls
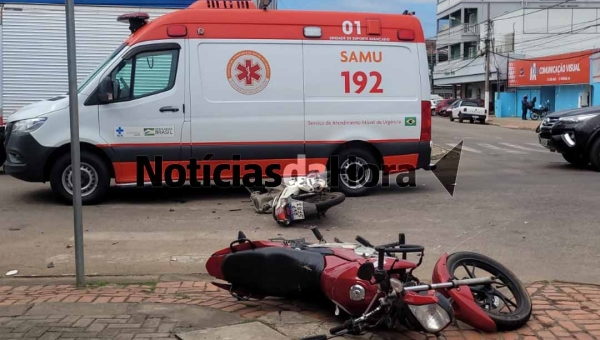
(135, 20)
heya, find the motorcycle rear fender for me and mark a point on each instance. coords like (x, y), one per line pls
(465, 307)
(214, 263)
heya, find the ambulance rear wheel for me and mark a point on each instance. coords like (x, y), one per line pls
(358, 172)
(95, 178)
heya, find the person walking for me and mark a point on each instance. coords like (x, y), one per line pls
(524, 107)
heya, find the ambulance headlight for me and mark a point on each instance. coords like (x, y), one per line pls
(28, 125)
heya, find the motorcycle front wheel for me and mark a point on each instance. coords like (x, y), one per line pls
(506, 301)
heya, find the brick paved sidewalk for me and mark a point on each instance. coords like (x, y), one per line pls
(561, 311)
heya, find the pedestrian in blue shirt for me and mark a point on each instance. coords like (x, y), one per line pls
(524, 107)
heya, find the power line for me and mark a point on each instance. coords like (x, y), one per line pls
(524, 14)
(549, 34)
(586, 54)
(521, 15)
(556, 34)
(458, 69)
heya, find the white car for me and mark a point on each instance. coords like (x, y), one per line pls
(465, 109)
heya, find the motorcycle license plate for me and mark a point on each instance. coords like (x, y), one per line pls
(297, 208)
(544, 141)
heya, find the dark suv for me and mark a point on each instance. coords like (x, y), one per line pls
(573, 133)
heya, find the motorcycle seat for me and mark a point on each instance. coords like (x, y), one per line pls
(275, 271)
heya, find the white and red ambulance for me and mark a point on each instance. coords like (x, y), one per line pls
(226, 78)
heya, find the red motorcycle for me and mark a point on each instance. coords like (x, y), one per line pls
(373, 286)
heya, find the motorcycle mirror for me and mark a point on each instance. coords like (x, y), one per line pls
(366, 271)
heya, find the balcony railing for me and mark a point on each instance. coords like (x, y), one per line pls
(462, 28)
(470, 28)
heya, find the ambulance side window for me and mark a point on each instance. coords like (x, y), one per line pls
(154, 72)
(145, 74)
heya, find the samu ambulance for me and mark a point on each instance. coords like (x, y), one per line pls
(227, 78)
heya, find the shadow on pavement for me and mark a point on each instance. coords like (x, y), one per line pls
(147, 195)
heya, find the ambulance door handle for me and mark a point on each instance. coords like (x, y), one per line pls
(169, 108)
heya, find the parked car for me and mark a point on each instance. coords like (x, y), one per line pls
(434, 103)
(443, 105)
(468, 109)
(2, 149)
(573, 133)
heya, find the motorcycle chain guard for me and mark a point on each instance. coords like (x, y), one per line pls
(465, 307)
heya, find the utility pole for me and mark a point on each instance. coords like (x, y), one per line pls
(431, 65)
(75, 148)
(487, 59)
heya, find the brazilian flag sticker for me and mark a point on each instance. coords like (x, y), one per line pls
(410, 121)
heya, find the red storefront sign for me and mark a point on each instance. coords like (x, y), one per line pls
(570, 68)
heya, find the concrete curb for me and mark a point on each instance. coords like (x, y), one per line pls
(525, 128)
(95, 279)
(437, 152)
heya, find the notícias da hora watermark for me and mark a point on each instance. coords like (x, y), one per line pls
(237, 173)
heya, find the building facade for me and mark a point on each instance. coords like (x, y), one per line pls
(560, 81)
(33, 46)
(518, 30)
(461, 33)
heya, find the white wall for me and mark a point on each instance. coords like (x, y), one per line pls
(549, 32)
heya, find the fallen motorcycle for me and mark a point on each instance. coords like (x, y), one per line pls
(373, 286)
(298, 199)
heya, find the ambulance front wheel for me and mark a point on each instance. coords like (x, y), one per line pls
(357, 172)
(95, 178)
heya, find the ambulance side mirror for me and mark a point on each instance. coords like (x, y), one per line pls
(106, 91)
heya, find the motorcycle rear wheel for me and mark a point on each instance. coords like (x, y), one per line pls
(328, 200)
(535, 116)
(522, 305)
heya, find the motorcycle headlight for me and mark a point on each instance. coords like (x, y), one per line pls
(577, 119)
(434, 317)
(28, 125)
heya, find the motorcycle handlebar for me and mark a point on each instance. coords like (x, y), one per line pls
(402, 248)
(317, 234)
(364, 241)
(340, 328)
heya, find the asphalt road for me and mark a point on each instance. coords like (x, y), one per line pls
(514, 201)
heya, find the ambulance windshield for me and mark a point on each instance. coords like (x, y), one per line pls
(101, 67)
